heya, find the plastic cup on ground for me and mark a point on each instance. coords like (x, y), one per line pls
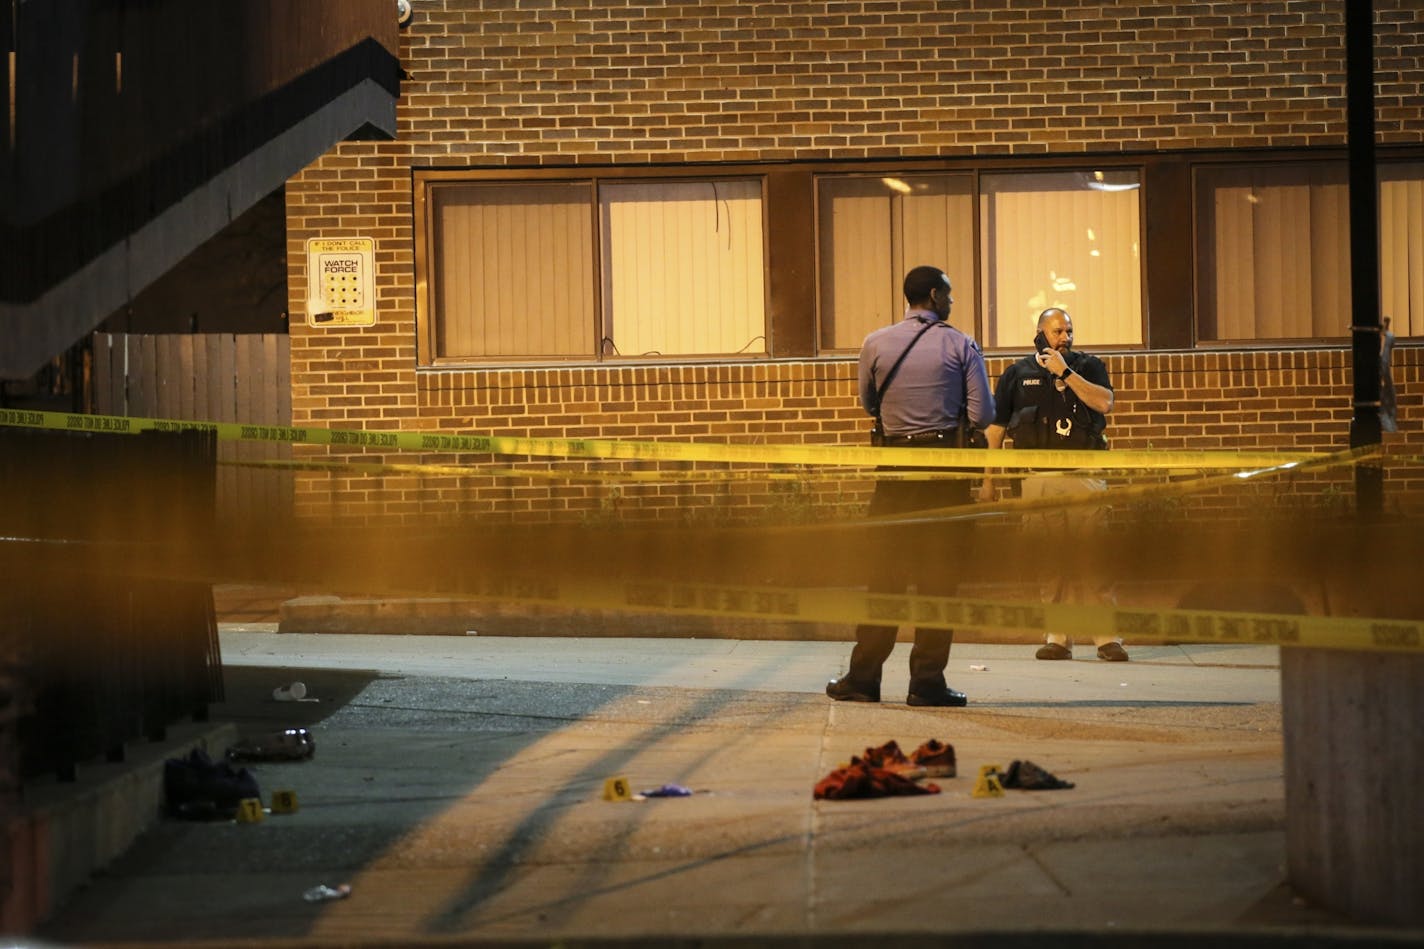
(294, 692)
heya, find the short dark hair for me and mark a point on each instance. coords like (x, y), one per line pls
(920, 281)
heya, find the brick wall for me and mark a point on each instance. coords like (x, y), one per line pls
(502, 83)
(514, 81)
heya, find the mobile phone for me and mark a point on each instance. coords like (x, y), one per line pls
(1040, 342)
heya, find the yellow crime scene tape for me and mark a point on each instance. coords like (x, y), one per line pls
(854, 607)
(845, 455)
(1119, 493)
(840, 605)
(623, 477)
(1186, 480)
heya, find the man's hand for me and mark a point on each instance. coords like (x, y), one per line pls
(1053, 361)
(994, 436)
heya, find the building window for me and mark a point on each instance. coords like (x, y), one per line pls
(684, 268)
(512, 271)
(872, 231)
(1273, 252)
(583, 270)
(1401, 223)
(1064, 239)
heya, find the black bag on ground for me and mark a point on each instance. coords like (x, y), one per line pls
(197, 788)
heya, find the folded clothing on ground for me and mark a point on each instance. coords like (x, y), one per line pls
(862, 780)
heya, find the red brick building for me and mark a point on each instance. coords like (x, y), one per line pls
(676, 222)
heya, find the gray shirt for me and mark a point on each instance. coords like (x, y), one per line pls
(941, 375)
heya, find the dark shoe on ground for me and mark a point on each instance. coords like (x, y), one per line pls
(289, 744)
(936, 758)
(1028, 776)
(940, 698)
(844, 690)
(1112, 652)
(1054, 651)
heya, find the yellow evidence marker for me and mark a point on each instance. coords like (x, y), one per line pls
(249, 811)
(988, 784)
(284, 802)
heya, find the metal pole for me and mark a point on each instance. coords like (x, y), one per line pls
(1364, 249)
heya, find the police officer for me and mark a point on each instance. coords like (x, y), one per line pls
(923, 381)
(1056, 398)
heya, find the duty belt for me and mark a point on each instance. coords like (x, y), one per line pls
(920, 438)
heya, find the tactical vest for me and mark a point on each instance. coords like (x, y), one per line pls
(1046, 417)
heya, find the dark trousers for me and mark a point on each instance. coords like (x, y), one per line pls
(873, 644)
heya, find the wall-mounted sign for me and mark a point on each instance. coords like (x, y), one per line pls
(341, 281)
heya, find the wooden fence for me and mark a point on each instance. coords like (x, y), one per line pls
(216, 377)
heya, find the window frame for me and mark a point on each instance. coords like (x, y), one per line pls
(982, 263)
(427, 182)
(896, 251)
(1200, 220)
(1416, 289)
(1384, 156)
(977, 168)
(426, 273)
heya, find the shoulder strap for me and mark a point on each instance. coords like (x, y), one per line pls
(962, 425)
(890, 376)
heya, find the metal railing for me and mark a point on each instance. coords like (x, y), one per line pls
(106, 609)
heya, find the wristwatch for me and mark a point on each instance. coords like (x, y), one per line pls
(1067, 371)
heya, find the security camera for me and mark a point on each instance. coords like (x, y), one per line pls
(404, 12)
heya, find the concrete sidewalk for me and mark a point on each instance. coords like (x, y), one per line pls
(458, 788)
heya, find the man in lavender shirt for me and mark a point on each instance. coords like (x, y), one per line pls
(937, 388)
